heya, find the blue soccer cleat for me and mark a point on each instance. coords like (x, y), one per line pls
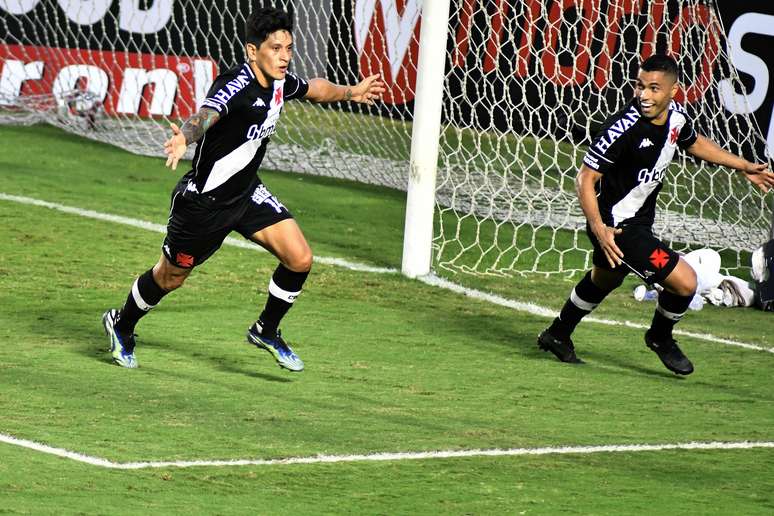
(282, 353)
(119, 343)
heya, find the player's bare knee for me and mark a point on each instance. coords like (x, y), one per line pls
(169, 279)
(173, 281)
(301, 262)
(689, 284)
(682, 282)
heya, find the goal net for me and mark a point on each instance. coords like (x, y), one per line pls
(526, 85)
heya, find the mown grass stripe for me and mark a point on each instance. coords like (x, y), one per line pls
(339, 262)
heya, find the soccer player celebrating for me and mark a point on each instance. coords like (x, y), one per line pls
(617, 186)
(223, 193)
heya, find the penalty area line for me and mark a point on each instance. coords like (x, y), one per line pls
(534, 309)
(160, 228)
(382, 457)
(430, 279)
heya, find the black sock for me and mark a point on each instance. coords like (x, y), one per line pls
(145, 294)
(284, 287)
(669, 311)
(583, 299)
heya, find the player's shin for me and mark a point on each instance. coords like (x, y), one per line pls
(583, 299)
(285, 286)
(669, 311)
(144, 296)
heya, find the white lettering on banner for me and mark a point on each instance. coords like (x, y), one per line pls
(750, 23)
(12, 77)
(18, 6)
(67, 80)
(158, 84)
(398, 29)
(85, 12)
(741, 103)
(131, 16)
(135, 80)
(144, 21)
(203, 78)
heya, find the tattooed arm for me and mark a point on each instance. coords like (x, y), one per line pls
(367, 91)
(193, 129)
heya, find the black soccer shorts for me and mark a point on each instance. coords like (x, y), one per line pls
(197, 227)
(644, 254)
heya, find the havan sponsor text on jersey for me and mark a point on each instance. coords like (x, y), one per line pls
(227, 158)
(633, 154)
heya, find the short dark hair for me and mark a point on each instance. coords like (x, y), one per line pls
(661, 63)
(264, 21)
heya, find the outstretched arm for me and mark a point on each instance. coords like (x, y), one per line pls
(368, 90)
(757, 173)
(193, 129)
(585, 183)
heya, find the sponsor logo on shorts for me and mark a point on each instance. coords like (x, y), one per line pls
(659, 258)
(262, 195)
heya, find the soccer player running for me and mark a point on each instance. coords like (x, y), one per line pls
(223, 193)
(617, 185)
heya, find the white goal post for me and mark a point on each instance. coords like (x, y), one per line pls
(509, 92)
(426, 130)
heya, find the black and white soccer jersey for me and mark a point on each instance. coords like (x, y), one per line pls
(633, 155)
(227, 157)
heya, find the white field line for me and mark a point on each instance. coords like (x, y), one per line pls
(429, 279)
(159, 228)
(397, 456)
(318, 459)
(545, 312)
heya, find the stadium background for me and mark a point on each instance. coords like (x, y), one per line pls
(120, 35)
(393, 364)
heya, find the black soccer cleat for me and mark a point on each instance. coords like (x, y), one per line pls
(670, 354)
(563, 349)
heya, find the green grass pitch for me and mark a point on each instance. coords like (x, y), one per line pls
(393, 365)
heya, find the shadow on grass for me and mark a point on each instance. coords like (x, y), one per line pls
(90, 341)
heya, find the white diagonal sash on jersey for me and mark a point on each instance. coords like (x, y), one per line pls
(235, 161)
(627, 207)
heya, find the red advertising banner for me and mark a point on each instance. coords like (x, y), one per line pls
(125, 83)
(545, 67)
